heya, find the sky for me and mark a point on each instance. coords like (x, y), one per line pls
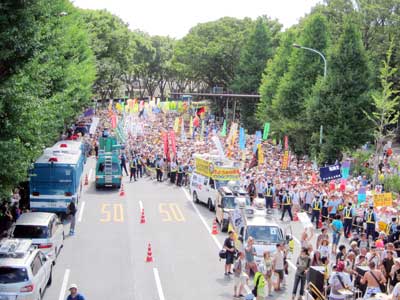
(175, 17)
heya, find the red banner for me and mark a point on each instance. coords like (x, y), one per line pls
(114, 121)
(286, 142)
(165, 140)
(172, 141)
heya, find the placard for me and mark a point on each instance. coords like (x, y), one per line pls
(384, 199)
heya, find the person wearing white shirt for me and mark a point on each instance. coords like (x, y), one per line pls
(396, 292)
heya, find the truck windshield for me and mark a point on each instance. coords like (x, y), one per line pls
(266, 234)
(12, 275)
(228, 202)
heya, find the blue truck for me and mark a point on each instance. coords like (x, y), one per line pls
(56, 180)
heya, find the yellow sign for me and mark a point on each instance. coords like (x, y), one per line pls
(171, 212)
(384, 199)
(208, 169)
(112, 212)
(382, 226)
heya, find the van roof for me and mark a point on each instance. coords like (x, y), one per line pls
(68, 145)
(35, 218)
(59, 158)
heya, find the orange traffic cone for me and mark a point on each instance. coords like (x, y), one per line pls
(86, 180)
(214, 228)
(122, 192)
(149, 257)
(142, 218)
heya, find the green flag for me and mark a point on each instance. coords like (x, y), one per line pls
(266, 131)
(223, 132)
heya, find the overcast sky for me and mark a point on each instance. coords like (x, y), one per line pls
(176, 17)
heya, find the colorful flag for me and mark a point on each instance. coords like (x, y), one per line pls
(266, 131)
(183, 134)
(223, 131)
(191, 126)
(286, 142)
(260, 154)
(218, 145)
(176, 125)
(242, 139)
(362, 195)
(254, 161)
(257, 141)
(172, 141)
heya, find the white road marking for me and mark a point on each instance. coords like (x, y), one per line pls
(158, 283)
(296, 239)
(81, 208)
(90, 174)
(202, 219)
(141, 205)
(64, 285)
(291, 264)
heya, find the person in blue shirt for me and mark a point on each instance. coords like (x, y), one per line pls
(337, 227)
(74, 295)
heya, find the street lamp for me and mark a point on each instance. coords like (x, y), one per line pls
(315, 51)
(321, 129)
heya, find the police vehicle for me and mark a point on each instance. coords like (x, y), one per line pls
(25, 271)
(226, 203)
(256, 223)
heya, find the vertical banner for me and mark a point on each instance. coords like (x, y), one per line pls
(257, 141)
(191, 126)
(345, 169)
(266, 131)
(260, 154)
(165, 141)
(183, 134)
(223, 131)
(218, 145)
(113, 121)
(286, 142)
(232, 131)
(173, 142)
(176, 125)
(202, 130)
(110, 105)
(242, 139)
(285, 160)
(362, 195)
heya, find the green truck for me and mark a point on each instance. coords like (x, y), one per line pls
(108, 167)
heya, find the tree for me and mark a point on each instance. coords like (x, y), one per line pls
(337, 102)
(42, 88)
(386, 114)
(305, 68)
(274, 71)
(111, 43)
(257, 50)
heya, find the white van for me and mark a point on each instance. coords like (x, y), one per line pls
(204, 189)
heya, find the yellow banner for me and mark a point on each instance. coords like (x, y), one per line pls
(208, 169)
(285, 160)
(384, 199)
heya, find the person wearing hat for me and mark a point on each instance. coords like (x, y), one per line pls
(316, 206)
(74, 295)
(348, 215)
(339, 280)
(370, 219)
(287, 202)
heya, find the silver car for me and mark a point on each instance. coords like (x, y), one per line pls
(25, 271)
(44, 229)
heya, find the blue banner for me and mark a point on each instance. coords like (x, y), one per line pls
(330, 172)
(242, 139)
(257, 141)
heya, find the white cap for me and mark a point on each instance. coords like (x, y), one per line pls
(73, 286)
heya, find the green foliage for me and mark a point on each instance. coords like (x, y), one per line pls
(392, 183)
(359, 162)
(257, 50)
(45, 88)
(338, 102)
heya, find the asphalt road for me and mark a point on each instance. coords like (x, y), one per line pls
(106, 257)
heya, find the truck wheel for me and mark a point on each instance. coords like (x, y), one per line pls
(210, 206)
(224, 225)
(195, 198)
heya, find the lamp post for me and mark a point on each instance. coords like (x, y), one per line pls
(325, 69)
(315, 51)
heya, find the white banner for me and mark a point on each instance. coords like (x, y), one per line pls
(305, 220)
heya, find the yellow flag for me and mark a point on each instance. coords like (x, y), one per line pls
(260, 155)
(176, 125)
(191, 126)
